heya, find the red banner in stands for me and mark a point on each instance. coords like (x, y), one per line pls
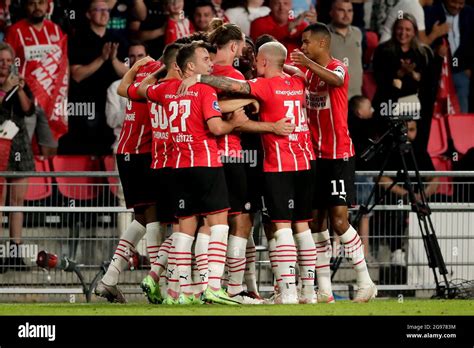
(48, 80)
(447, 102)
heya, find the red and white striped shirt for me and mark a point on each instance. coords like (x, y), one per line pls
(31, 44)
(194, 144)
(327, 108)
(135, 137)
(284, 97)
(162, 144)
(229, 144)
(178, 29)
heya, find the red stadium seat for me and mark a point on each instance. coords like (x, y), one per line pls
(39, 188)
(109, 165)
(462, 131)
(368, 85)
(442, 163)
(438, 141)
(372, 40)
(80, 188)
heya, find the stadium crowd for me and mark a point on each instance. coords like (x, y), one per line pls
(86, 58)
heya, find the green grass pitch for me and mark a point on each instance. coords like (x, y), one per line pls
(378, 307)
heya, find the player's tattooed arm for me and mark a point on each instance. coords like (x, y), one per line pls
(129, 76)
(224, 83)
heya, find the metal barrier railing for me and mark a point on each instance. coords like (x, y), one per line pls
(87, 230)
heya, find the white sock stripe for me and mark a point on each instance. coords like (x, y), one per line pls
(289, 246)
(323, 246)
(237, 265)
(323, 242)
(303, 253)
(353, 242)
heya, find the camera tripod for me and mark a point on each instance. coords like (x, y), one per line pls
(395, 141)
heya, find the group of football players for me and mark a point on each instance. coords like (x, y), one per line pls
(192, 119)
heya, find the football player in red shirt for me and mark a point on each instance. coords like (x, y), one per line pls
(287, 168)
(327, 108)
(133, 163)
(161, 148)
(229, 40)
(194, 119)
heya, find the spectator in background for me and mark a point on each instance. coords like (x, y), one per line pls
(281, 24)
(361, 128)
(178, 25)
(218, 7)
(19, 106)
(403, 68)
(347, 43)
(324, 9)
(139, 9)
(359, 13)
(70, 15)
(460, 37)
(245, 12)
(115, 105)
(415, 8)
(151, 30)
(5, 18)
(94, 53)
(121, 15)
(203, 13)
(380, 11)
(32, 39)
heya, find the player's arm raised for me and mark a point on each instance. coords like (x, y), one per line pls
(149, 81)
(219, 127)
(226, 84)
(328, 76)
(293, 70)
(129, 76)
